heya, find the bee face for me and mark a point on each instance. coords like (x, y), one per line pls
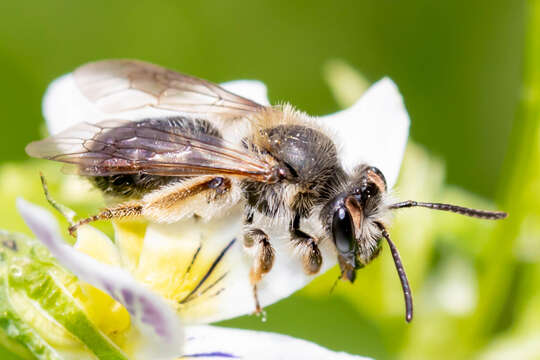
(352, 218)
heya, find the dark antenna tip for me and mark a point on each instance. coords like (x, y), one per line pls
(476, 213)
(407, 294)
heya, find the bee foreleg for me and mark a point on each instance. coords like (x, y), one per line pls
(262, 263)
(128, 209)
(311, 255)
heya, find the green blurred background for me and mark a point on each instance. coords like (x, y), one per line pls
(457, 63)
(461, 66)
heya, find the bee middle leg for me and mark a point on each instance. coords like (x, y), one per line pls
(311, 254)
(263, 260)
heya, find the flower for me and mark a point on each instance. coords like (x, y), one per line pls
(156, 331)
(162, 273)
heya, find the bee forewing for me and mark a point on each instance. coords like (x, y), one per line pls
(69, 141)
(374, 130)
(64, 105)
(122, 85)
(153, 147)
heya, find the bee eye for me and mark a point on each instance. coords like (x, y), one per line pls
(368, 192)
(342, 231)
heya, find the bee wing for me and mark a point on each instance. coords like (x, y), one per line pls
(116, 86)
(148, 147)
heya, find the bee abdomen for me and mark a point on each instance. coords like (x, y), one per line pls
(131, 185)
(136, 185)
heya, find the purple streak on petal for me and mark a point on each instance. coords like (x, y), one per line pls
(150, 314)
(109, 289)
(215, 354)
(128, 297)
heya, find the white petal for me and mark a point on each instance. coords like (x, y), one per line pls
(204, 268)
(158, 324)
(222, 343)
(63, 105)
(250, 89)
(373, 131)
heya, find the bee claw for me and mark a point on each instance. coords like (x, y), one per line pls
(262, 314)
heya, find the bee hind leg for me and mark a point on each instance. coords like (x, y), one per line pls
(168, 204)
(122, 210)
(258, 240)
(129, 209)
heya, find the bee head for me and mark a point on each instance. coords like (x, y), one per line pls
(354, 216)
(357, 216)
(356, 220)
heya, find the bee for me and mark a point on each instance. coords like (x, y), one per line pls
(213, 151)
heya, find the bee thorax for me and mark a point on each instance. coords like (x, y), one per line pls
(308, 164)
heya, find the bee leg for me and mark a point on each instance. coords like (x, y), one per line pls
(164, 205)
(66, 212)
(257, 240)
(128, 209)
(311, 255)
(203, 195)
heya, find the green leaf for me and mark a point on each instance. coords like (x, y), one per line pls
(39, 317)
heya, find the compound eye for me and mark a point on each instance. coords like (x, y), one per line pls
(368, 192)
(343, 233)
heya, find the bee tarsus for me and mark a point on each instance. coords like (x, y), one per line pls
(121, 211)
(258, 242)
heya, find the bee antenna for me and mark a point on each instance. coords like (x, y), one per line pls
(481, 214)
(66, 212)
(401, 273)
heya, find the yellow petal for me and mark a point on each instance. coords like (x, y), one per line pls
(97, 245)
(129, 237)
(178, 262)
(105, 312)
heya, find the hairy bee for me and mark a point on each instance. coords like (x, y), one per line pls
(212, 151)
